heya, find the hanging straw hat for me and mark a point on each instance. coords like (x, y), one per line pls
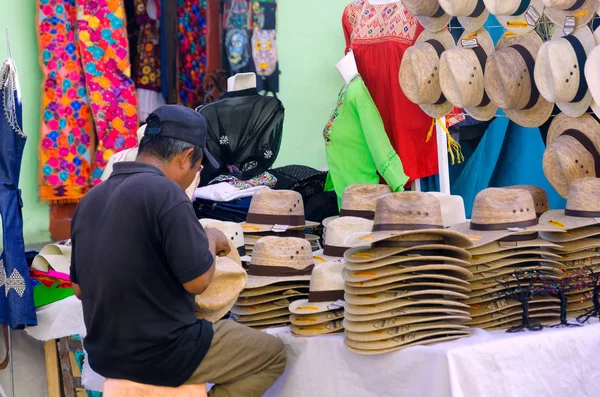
(559, 70)
(337, 232)
(233, 231)
(462, 75)
(269, 208)
(592, 65)
(572, 152)
(419, 72)
(408, 218)
(326, 289)
(540, 197)
(471, 14)
(228, 281)
(516, 16)
(279, 259)
(359, 200)
(510, 83)
(503, 214)
(558, 10)
(583, 206)
(429, 14)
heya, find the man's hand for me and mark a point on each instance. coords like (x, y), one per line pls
(221, 244)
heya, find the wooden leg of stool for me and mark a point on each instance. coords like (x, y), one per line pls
(52, 371)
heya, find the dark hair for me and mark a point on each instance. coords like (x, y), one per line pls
(165, 148)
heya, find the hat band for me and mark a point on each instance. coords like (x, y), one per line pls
(588, 144)
(242, 250)
(403, 244)
(522, 8)
(439, 48)
(332, 250)
(583, 214)
(581, 59)
(482, 57)
(503, 226)
(325, 296)
(370, 215)
(578, 4)
(439, 13)
(263, 219)
(288, 233)
(479, 9)
(521, 237)
(407, 227)
(530, 62)
(278, 271)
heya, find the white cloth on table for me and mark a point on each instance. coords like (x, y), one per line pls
(58, 320)
(550, 363)
(224, 192)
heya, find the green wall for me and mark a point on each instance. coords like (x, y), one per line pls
(310, 43)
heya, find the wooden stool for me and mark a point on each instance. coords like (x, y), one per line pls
(122, 388)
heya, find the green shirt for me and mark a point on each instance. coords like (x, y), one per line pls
(357, 145)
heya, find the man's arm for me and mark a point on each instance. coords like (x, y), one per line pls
(77, 290)
(217, 246)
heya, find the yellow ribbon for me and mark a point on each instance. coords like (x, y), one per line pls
(453, 146)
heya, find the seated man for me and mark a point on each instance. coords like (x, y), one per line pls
(140, 255)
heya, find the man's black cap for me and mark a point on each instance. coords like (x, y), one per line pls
(182, 123)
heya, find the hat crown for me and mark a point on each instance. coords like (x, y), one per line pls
(584, 195)
(558, 73)
(462, 78)
(425, 8)
(566, 160)
(233, 231)
(497, 206)
(560, 4)
(508, 80)
(363, 197)
(289, 252)
(540, 197)
(502, 7)
(327, 277)
(408, 208)
(277, 202)
(459, 8)
(419, 76)
(341, 228)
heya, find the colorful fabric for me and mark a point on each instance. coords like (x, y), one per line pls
(263, 179)
(66, 141)
(192, 51)
(102, 36)
(264, 51)
(147, 74)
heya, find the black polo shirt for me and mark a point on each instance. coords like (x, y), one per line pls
(136, 240)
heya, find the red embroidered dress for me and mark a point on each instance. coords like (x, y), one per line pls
(379, 38)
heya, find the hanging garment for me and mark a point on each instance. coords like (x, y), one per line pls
(356, 143)
(192, 51)
(169, 28)
(102, 39)
(379, 34)
(67, 137)
(17, 307)
(244, 134)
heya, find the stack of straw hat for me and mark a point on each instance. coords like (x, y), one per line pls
(323, 311)
(276, 213)
(407, 287)
(338, 230)
(579, 247)
(359, 201)
(279, 273)
(506, 253)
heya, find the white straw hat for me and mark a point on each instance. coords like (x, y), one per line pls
(337, 232)
(516, 16)
(582, 10)
(471, 14)
(326, 288)
(233, 231)
(359, 201)
(583, 206)
(429, 14)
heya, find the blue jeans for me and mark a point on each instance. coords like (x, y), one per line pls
(17, 308)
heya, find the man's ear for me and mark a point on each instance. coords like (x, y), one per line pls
(184, 159)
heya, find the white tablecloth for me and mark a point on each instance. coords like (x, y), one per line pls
(58, 320)
(551, 363)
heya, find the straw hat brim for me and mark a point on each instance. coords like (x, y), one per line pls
(510, 262)
(269, 323)
(492, 275)
(381, 325)
(257, 228)
(518, 24)
(261, 281)
(578, 256)
(319, 329)
(543, 320)
(319, 257)
(303, 320)
(300, 287)
(579, 245)
(261, 316)
(328, 220)
(413, 260)
(446, 337)
(399, 303)
(258, 300)
(514, 320)
(489, 290)
(585, 14)
(573, 235)
(591, 67)
(368, 254)
(434, 24)
(421, 309)
(412, 285)
(474, 24)
(503, 304)
(501, 246)
(435, 276)
(212, 315)
(375, 336)
(450, 237)
(251, 239)
(565, 222)
(387, 296)
(371, 274)
(498, 256)
(303, 306)
(483, 237)
(510, 313)
(263, 308)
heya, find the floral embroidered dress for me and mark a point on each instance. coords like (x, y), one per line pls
(357, 145)
(378, 34)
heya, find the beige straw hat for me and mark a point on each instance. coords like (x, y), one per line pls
(516, 16)
(368, 258)
(326, 289)
(583, 206)
(404, 342)
(503, 246)
(592, 65)
(279, 259)
(318, 329)
(388, 271)
(510, 83)
(503, 214)
(488, 259)
(419, 282)
(384, 282)
(359, 201)
(482, 309)
(422, 309)
(540, 197)
(233, 231)
(337, 231)
(558, 10)
(471, 14)
(276, 207)
(378, 325)
(510, 313)
(268, 298)
(560, 70)
(389, 296)
(462, 74)
(573, 235)
(260, 316)
(279, 287)
(408, 218)
(492, 267)
(572, 152)
(275, 322)
(429, 14)
(419, 72)
(238, 310)
(303, 320)
(228, 281)
(389, 333)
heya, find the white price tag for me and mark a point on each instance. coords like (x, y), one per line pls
(515, 229)
(532, 16)
(569, 25)
(279, 228)
(469, 43)
(339, 304)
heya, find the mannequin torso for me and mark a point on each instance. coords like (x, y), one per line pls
(347, 67)
(241, 81)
